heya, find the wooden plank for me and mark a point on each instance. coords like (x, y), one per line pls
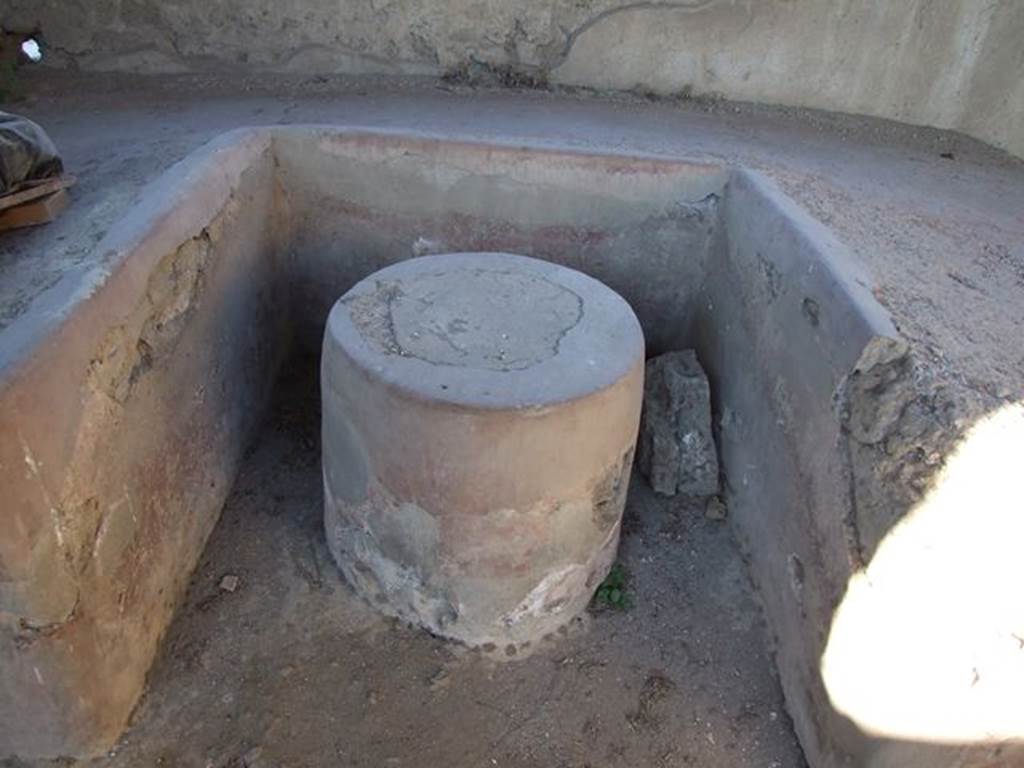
(36, 189)
(38, 211)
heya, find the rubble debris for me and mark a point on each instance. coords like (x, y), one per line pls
(676, 448)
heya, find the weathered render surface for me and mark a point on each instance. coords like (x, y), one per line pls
(360, 201)
(480, 416)
(124, 410)
(832, 429)
(954, 64)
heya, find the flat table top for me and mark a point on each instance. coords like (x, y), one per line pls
(489, 330)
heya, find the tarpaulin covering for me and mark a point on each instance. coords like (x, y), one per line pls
(26, 153)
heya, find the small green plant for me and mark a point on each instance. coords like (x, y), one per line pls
(612, 591)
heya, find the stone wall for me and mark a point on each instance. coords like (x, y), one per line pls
(956, 64)
(122, 424)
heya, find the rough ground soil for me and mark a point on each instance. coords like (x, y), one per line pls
(291, 669)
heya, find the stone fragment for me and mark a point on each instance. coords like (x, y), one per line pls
(255, 758)
(229, 583)
(715, 509)
(676, 448)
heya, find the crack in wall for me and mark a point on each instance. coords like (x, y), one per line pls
(573, 36)
(373, 315)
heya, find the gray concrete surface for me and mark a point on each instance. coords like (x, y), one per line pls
(480, 416)
(956, 64)
(934, 241)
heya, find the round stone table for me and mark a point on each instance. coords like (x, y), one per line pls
(480, 412)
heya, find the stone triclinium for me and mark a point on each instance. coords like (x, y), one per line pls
(479, 421)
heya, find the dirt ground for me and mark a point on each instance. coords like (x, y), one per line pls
(273, 661)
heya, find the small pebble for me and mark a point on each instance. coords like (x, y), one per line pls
(715, 509)
(229, 583)
(251, 759)
(440, 680)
